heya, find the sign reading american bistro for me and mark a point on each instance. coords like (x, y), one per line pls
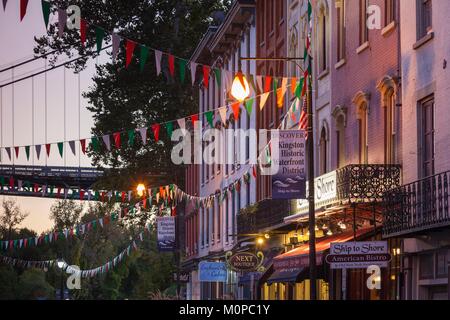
(356, 255)
(245, 261)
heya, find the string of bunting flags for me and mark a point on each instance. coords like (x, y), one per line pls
(133, 246)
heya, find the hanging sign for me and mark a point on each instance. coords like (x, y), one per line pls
(289, 181)
(212, 271)
(245, 261)
(358, 255)
(166, 233)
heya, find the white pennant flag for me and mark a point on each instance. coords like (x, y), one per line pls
(72, 147)
(115, 46)
(89, 194)
(38, 150)
(182, 123)
(193, 67)
(107, 141)
(19, 184)
(143, 132)
(259, 83)
(8, 151)
(129, 196)
(158, 56)
(65, 193)
(263, 100)
(223, 114)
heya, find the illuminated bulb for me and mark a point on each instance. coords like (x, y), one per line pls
(240, 88)
(267, 236)
(342, 226)
(316, 228)
(140, 189)
(329, 233)
(324, 226)
(260, 241)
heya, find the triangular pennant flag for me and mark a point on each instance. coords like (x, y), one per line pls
(263, 100)
(218, 77)
(249, 106)
(95, 144)
(45, 11)
(281, 92)
(172, 65)
(38, 150)
(206, 76)
(251, 81)
(293, 85)
(181, 123)
(83, 31)
(158, 56)
(27, 152)
(155, 129)
(267, 83)
(209, 117)
(131, 134)
(236, 106)
(60, 148)
(259, 82)
(194, 119)
(83, 145)
(4, 4)
(17, 152)
(107, 141)
(23, 8)
(223, 114)
(117, 141)
(143, 58)
(182, 66)
(62, 21)
(129, 52)
(143, 132)
(115, 46)
(193, 67)
(169, 128)
(8, 151)
(99, 35)
(72, 147)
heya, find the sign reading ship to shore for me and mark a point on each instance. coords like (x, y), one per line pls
(289, 181)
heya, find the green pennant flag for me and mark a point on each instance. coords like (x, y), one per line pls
(209, 117)
(275, 84)
(249, 106)
(218, 77)
(27, 151)
(169, 128)
(144, 56)
(95, 145)
(60, 148)
(298, 90)
(182, 64)
(99, 34)
(46, 11)
(96, 195)
(2, 181)
(131, 134)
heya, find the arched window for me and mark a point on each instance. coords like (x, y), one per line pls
(322, 37)
(340, 116)
(387, 88)
(323, 151)
(361, 101)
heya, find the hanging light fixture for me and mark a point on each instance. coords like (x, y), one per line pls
(329, 233)
(240, 89)
(140, 189)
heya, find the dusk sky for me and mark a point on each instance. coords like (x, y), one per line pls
(17, 40)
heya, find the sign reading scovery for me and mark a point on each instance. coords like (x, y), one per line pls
(358, 255)
(289, 181)
(212, 271)
(166, 233)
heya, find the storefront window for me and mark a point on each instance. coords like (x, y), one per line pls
(441, 264)
(426, 266)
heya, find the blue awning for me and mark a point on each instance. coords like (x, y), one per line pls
(285, 275)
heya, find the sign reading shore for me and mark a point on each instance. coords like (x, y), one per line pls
(358, 255)
(289, 181)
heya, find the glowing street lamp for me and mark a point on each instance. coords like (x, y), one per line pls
(240, 89)
(140, 189)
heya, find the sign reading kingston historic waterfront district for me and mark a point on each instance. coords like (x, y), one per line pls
(212, 271)
(356, 255)
(166, 233)
(289, 182)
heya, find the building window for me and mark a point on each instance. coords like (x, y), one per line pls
(389, 127)
(340, 13)
(426, 266)
(323, 151)
(426, 144)
(340, 142)
(424, 17)
(363, 30)
(389, 11)
(322, 39)
(362, 128)
(441, 264)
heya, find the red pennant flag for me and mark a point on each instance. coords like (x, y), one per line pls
(117, 139)
(145, 203)
(36, 188)
(103, 196)
(174, 211)
(254, 171)
(267, 83)
(23, 8)
(130, 49)
(47, 148)
(206, 76)
(11, 182)
(83, 145)
(172, 65)
(155, 129)
(123, 196)
(11, 244)
(236, 108)
(59, 193)
(82, 194)
(83, 31)
(25, 242)
(194, 119)
(17, 151)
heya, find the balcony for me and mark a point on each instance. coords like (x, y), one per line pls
(264, 214)
(418, 206)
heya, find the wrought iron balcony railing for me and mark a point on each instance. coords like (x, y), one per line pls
(418, 206)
